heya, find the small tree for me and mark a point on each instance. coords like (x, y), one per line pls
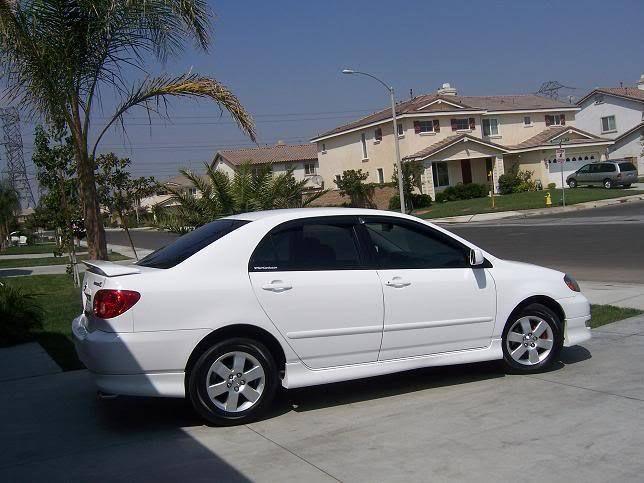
(352, 184)
(9, 206)
(412, 179)
(118, 192)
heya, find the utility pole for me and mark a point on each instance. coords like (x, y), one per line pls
(12, 141)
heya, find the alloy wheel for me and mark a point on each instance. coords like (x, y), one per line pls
(530, 340)
(235, 382)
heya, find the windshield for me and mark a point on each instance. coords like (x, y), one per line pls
(190, 243)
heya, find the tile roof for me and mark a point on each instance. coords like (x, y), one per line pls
(630, 92)
(545, 136)
(449, 140)
(466, 103)
(279, 153)
(179, 180)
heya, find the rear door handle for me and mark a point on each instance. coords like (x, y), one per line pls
(397, 282)
(277, 286)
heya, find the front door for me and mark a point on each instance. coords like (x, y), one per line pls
(466, 170)
(434, 301)
(311, 281)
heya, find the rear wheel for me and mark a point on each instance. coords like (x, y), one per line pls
(532, 339)
(627, 185)
(233, 382)
(608, 184)
(572, 183)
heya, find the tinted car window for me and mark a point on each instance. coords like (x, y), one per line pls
(308, 246)
(584, 169)
(190, 243)
(608, 168)
(404, 245)
(627, 167)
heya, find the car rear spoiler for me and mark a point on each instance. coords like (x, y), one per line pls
(110, 269)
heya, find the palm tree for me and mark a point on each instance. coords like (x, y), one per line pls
(59, 55)
(248, 190)
(9, 205)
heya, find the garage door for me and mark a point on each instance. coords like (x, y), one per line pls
(573, 163)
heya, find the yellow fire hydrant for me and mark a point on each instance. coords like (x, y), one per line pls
(548, 200)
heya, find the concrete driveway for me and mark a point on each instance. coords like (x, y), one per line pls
(581, 421)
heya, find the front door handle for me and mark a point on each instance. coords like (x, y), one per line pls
(277, 286)
(397, 282)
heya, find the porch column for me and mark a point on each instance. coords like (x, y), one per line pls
(427, 179)
(497, 171)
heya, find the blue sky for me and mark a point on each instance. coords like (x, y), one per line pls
(283, 60)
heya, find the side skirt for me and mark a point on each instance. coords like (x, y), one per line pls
(298, 375)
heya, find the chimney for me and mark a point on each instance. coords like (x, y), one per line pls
(446, 90)
(640, 83)
(280, 142)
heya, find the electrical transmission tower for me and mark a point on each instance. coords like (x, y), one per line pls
(12, 141)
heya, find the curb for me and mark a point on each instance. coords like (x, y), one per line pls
(537, 211)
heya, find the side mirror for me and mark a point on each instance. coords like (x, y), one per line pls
(476, 257)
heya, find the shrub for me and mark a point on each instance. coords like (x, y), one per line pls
(463, 192)
(352, 184)
(415, 201)
(19, 315)
(552, 186)
(516, 181)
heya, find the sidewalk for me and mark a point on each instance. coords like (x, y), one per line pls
(25, 360)
(536, 212)
(35, 255)
(626, 295)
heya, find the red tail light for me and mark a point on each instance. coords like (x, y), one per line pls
(110, 303)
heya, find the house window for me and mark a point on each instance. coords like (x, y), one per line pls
(527, 121)
(338, 178)
(309, 169)
(193, 191)
(490, 127)
(363, 140)
(401, 131)
(381, 176)
(431, 126)
(440, 173)
(463, 124)
(323, 147)
(555, 120)
(608, 124)
(377, 134)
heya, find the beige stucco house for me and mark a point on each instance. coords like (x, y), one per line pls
(461, 139)
(301, 158)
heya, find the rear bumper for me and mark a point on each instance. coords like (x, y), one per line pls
(136, 363)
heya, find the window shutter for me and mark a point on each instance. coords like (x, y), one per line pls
(563, 119)
(454, 125)
(417, 127)
(437, 125)
(549, 120)
(472, 124)
(378, 134)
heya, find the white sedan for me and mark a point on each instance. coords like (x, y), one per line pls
(231, 311)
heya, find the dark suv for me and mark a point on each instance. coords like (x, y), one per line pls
(608, 174)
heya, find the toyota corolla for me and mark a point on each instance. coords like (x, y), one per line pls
(238, 307)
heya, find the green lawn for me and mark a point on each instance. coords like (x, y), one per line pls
(61, 302)
(39, 262)
(605, 314)
(521, 201)
(29, 249)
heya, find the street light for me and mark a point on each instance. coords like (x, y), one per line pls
(395, 132)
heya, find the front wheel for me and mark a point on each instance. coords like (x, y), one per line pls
(572, 183)
(627, 185)
(608, 184)
(233, 382)
(532, 339)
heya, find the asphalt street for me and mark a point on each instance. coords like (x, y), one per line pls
(600, 244)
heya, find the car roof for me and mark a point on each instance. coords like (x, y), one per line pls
(295, 213)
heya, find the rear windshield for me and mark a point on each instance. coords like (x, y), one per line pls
(190, 243)
(626, 167)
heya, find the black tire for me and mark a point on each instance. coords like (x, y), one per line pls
(198, 380)
(627, 185)
(545, 314)
(608, 184)
(572, 183)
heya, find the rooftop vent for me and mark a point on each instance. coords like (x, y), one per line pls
(446, 90)
(280, 142)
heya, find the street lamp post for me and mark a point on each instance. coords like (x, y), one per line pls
(395, 133)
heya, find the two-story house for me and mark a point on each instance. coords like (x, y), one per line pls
(301, 158)
(462, 139)
(616, 113)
